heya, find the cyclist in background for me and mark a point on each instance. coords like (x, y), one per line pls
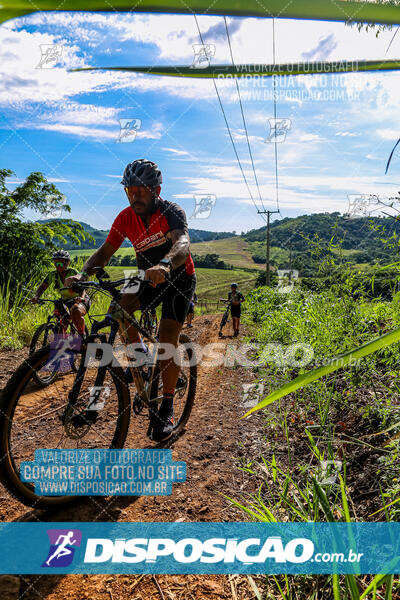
(235, 298)
(190, 314)
(77, 304)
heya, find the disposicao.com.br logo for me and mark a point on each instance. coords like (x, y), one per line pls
(213, 550)
(191, 550)
(200, 547)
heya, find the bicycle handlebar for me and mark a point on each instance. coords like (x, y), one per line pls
(43, 300)
(79, 286)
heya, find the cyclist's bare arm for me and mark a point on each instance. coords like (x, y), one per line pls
(43, 286)
(98, 259)
(180, 248)
(177, 255)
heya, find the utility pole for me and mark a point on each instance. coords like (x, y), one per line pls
(268, 213)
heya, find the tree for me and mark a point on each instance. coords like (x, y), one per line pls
(26, 246)
(377, 27)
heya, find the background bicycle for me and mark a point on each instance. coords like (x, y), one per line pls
(58, 323)
(225, 316)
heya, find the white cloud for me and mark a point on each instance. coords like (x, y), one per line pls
(85, 120)
(388, 134)
(311, 137)
(170, 39)
(155, 133)
(81, 131)
(345, 134)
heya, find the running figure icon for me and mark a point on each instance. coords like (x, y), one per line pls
(62, 549)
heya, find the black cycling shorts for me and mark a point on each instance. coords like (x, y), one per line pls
(175, 296)
(236, 310)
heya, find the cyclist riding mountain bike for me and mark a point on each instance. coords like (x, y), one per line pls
(158, 231)
(190, 314)
(235, 298)
(78, 304)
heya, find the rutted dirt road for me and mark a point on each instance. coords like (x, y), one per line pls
(211, 448)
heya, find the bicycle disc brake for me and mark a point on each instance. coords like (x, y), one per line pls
(77, 425)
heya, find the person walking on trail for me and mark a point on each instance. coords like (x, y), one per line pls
(78, 304)
(158, 231)
(235, 299)
(190, 314)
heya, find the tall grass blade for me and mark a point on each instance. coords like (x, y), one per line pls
(389, 587)
(323, 500)
(335, 364)
(336, 587)
(254, 587)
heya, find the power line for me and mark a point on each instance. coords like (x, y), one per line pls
(243, 117)
(275, 113)
(227, 125)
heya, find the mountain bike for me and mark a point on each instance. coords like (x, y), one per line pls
(57, 324)
(225, 318)
(92, 408)
(149, 321)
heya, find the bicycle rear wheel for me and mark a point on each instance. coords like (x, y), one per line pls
(184, 396)
(30, 419)
(185, 390)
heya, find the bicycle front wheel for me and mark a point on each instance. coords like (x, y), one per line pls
(43, 336)
(33, 419)
(184, 395)
(185, 390)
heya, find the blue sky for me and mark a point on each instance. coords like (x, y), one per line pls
(66, 125)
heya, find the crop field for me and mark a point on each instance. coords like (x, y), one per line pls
(211, 283)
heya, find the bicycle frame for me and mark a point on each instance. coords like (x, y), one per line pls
(144, 388)
(57, 319)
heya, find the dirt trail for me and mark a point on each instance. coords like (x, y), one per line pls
(211, 447)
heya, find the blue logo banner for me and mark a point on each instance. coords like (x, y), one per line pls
(200, 548)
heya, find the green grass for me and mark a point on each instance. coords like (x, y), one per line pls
(89, 252)
(21, 320)
(334, 418)
(231, 250)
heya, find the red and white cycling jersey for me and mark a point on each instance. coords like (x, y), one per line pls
(150, 243)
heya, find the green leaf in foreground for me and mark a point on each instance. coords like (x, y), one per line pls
(339, 362)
